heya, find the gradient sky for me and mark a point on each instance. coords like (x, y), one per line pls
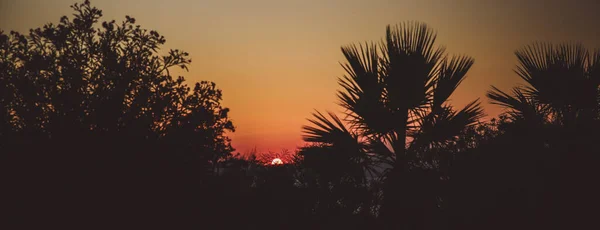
(276, 61)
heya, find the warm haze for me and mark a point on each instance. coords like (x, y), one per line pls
(277, 61)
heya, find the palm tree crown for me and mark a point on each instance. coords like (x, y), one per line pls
(396, 91)
(562, 85)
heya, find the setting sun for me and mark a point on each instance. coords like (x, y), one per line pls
(300, 114)
(277, 161)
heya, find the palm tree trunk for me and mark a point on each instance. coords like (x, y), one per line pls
(400, 143)
(391, 210)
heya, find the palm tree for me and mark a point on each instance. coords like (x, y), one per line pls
(560, 103)
(562, 86)
(556, 118)
(395, 98)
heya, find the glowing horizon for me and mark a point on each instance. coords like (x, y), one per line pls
(277, 61)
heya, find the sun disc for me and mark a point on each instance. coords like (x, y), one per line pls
(276, 161)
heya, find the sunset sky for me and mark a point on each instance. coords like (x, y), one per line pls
(277, 60)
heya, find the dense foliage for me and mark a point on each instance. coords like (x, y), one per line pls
(95, 107)
(95, 132)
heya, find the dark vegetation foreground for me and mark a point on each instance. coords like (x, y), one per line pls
(95, 132)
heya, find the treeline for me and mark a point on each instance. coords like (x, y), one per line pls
(95, 132)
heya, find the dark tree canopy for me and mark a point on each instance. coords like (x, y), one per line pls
(80, 78)
(88, 109)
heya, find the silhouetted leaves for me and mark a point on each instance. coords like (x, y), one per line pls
(389, 96)
(95, 130)
(88, 109)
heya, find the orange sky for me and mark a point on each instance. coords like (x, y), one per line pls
(276, 61)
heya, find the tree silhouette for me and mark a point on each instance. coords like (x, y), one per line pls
(395, 102)
(554, 121)
(96, 131)
(562, 85)
(87, 109)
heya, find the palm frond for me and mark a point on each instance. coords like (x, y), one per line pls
(444, 124)
(410, 62)
(362, 69)
(533, 59)
(470, 114)
(362, 64)
(326, 131)
(451, 74)
(341, 150)
(520, 106)
(554, 74)
(362, 90)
